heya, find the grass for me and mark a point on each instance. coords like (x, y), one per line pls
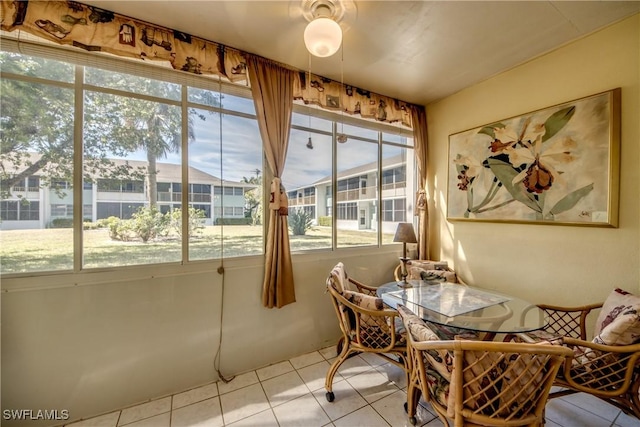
(52, 249)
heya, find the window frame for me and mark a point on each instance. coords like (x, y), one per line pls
(79, 59)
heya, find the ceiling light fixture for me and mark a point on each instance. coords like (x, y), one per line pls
(323, 35)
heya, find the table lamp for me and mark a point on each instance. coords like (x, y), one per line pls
(405, 234)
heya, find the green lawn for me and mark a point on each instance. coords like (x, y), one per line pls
(52, 249)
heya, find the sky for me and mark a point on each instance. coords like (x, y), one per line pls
(242, 147)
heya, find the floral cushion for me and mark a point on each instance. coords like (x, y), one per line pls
(340, 278)
(435, 275)
(619, 320)
(428, 265)
(432, 270)
(440, 360)
(445, 332)
(438, 386)
(623, 330)
(375, 331)
(367, 302)
(621, 326)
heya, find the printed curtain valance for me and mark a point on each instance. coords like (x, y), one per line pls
(93, 29)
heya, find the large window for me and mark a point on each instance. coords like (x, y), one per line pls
(37, 119)
(136, 130)
(135, 142)
(308, 166)
(226, 146)
(357, 188)
(398, 181)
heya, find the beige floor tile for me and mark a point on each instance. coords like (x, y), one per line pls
(549, 423)
(243, 403)
(106, 420)
(314, 375)
(239, 381)
(202, 414)
(306, 360)
(364, 417)
(347, 400)
(394, 373)
(162, 420)
(195, 395)
(328, 352)
(373, 359)
(261, 419)
(568, 415)
(594, 405)
(284, 388)
(436, 422)
(303, 412)
(372, 385)
(274, 370)
(353, 366)
(391, 408)
(625, 420)
(145, 410)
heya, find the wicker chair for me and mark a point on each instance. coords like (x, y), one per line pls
(370, 330)
(611, 373)
(488, 384)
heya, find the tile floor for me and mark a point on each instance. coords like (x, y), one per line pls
(369, 392)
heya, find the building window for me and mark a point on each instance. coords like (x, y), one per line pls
(206, 210)
(59, 210)
(348, 211)
(133, 187)
(33, 184)
(29, 211)
(9, 210)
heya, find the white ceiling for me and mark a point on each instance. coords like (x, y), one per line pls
(416, 51)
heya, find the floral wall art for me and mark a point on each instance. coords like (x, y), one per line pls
(558, 165)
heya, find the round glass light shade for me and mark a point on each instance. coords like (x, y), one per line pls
(323, 37)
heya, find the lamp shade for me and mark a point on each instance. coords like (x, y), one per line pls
(323, 37)
(405, 233)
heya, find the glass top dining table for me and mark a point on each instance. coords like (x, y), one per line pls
(466, 307)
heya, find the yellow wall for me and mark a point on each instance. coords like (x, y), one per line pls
(545, 263)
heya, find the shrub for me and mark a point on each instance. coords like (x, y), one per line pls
(194, 222)
(324, 221)
(119, 229)
(234, 221)
(147, 223)
(299, 222)
(62, 223)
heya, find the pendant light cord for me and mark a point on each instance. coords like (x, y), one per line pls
(216, 359)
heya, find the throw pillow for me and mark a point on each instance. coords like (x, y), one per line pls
(617, 302)
(624, 329)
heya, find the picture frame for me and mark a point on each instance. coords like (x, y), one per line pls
(558, 165)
